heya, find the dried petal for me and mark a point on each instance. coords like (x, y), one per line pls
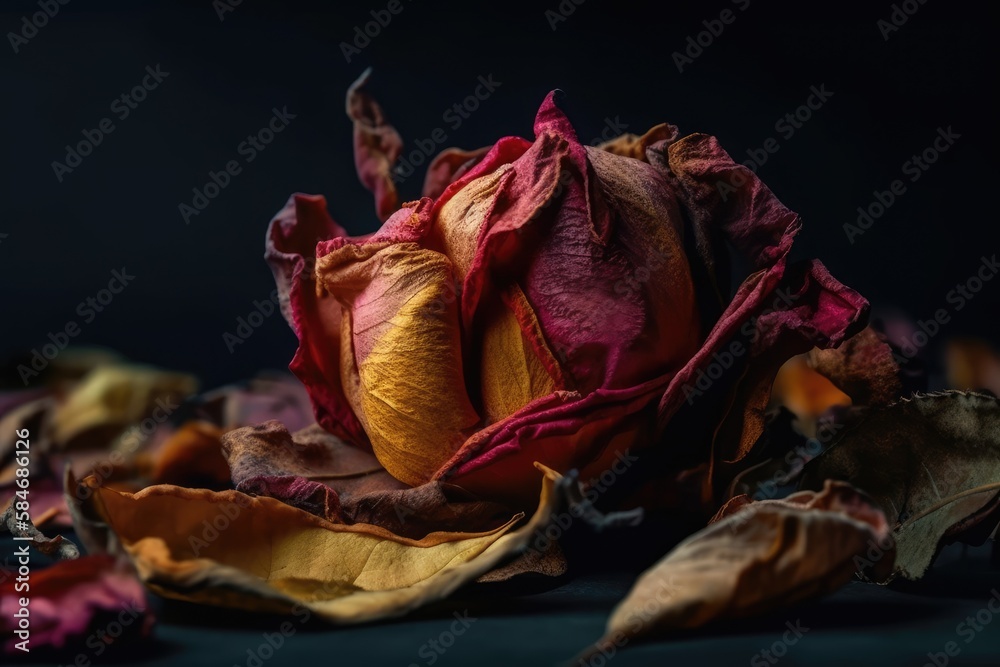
(863, 367)
(69, 601)
(377, 146)
(765, 555)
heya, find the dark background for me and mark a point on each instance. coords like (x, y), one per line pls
(613, 59)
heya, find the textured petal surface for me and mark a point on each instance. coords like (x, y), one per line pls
(402, 316)
(314, 314)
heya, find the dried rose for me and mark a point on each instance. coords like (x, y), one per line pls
(553, 302)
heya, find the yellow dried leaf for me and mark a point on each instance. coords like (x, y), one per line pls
(230, 549)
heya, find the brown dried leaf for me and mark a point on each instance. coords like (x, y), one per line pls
(932, 463)
(765, 555)
(862, 367)
(20, 526)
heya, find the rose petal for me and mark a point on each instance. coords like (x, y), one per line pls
(377, 146)
(767, 555)
(449, 165)
(312, 312)
(401, 314)
(69, 598)
(863, 367)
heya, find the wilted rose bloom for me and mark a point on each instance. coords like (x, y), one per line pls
(550, 301)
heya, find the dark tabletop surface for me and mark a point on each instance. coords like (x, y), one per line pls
(861, 624)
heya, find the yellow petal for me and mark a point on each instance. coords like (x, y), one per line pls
(512, 374)
(401, 354)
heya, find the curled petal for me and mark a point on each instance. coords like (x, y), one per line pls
(863, 367)
(313, 313)
(377, 146)
(449, 165)
(401, 315)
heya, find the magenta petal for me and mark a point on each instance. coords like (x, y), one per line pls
(72, 599)
(313, 314)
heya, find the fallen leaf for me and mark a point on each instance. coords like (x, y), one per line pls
(762, 556)
(268, 396)
(309, 470)
(109, 398)
(932, 463)
(228, 549)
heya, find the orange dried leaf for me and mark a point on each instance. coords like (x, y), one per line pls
(229, 549)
